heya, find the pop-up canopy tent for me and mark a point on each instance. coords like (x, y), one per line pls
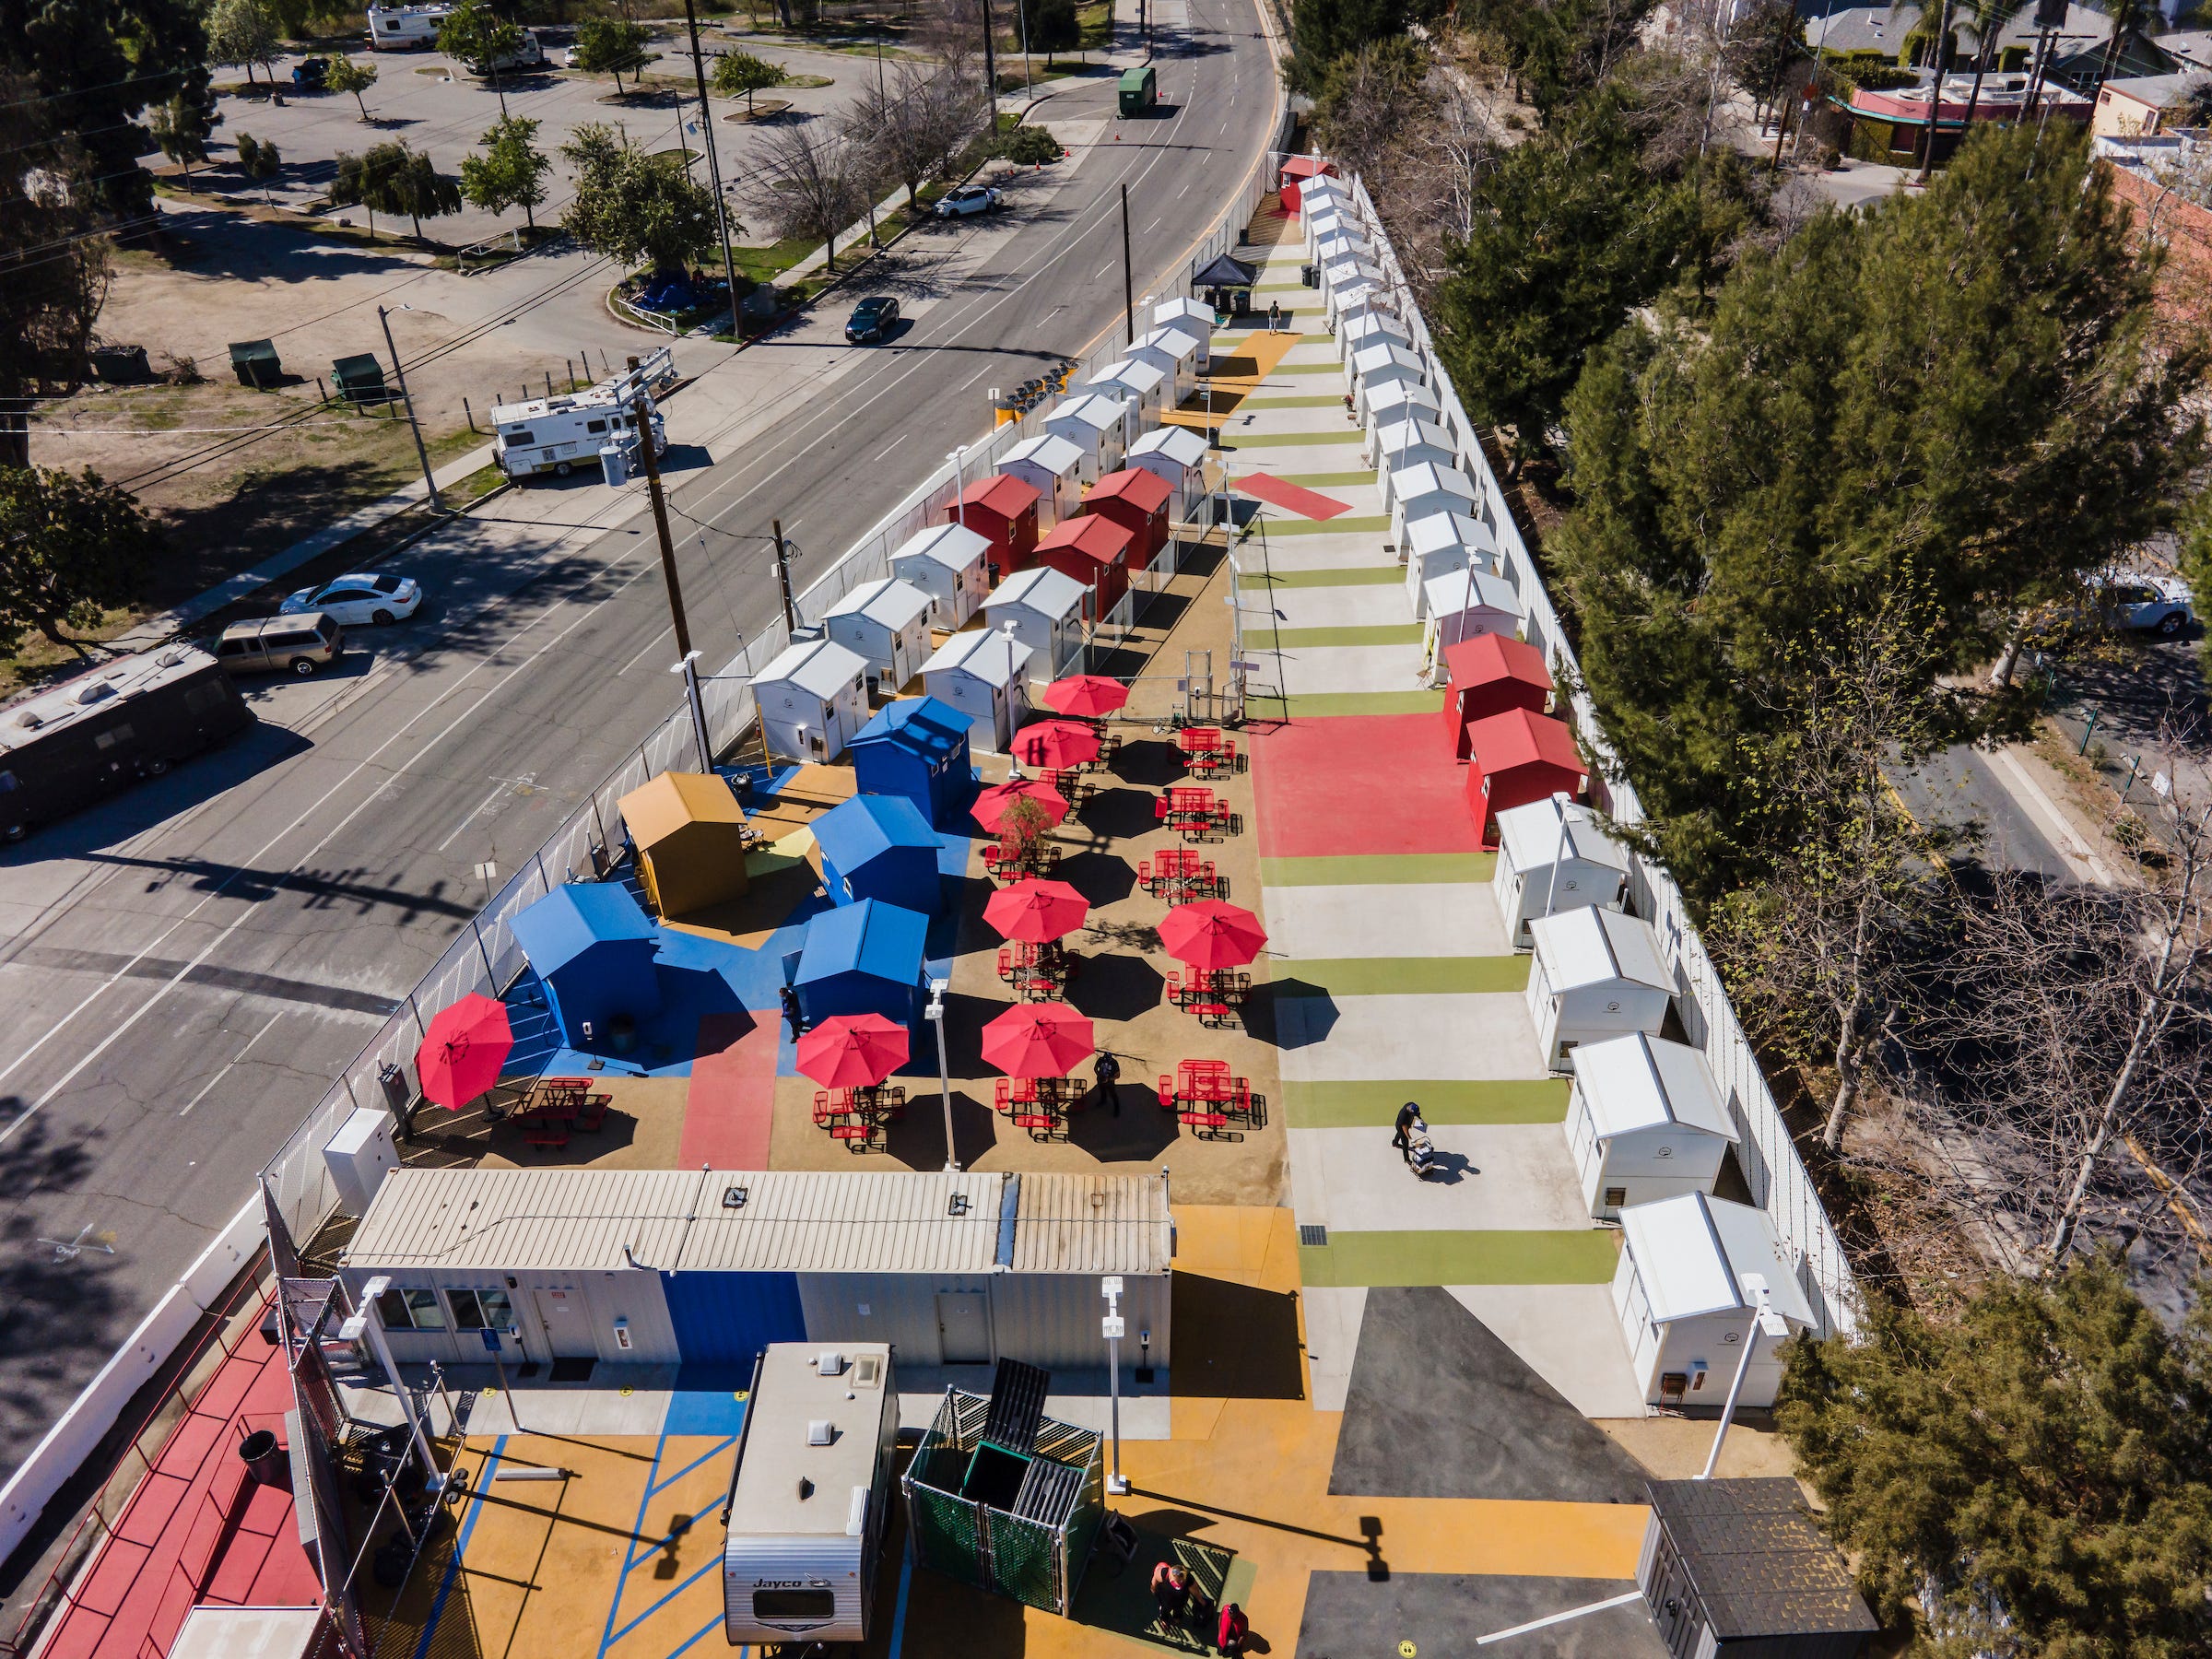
(917, 749)
(877, 846)
(1491, 674)
(1137, 501)
(1095, 550)
(1516, 757)
(1053, 466)
(1226, 284)
(864, 958)
(689, 834)
(886, 623)
(983, 672)
(592, 949)
(1003, 510)
(948, 562)
(1553, 856)
(1645, 1122)
(1191, 317)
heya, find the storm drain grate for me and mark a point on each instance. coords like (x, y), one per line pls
(1310, 1235)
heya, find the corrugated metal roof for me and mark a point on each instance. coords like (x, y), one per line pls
(863, 1221)
(542, 1220)
(1644, 1082)
(821, 666)
(953, 546)
(1593, 946)
(995, 658)
(1039, 588)
(1093, 1224)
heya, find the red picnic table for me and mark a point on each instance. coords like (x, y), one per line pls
(1193, 810)
(1212, 994)
(1178, 873)
(1039, 972)
(1039, 1105)
(555, 1105)
(1208, 751)
(857, 1115)
(1040, 858)
(1207, 1098)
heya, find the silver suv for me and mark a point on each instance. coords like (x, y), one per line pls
(295, 644)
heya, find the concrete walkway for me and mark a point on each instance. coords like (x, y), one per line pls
(1395, 978)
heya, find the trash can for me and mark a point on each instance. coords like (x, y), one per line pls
(256, 364)
(266, 1459)
(1310, 274)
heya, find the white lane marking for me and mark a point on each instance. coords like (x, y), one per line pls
(666, 629)
(241, 1053)
(473, 813)
(893, 444)
(1103, 269)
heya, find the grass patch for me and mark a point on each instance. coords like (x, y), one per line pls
(1096, 22)
(808, 82)
(767, 263)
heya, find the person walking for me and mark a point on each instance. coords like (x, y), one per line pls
(1274, 316)
(1401, 1135)
(1105, 1076)
(1171, 1591)
(1228, 1639)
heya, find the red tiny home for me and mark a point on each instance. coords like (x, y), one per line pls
(1294, 173)
(1517, 757)
(1137, 501)
(1491, 674)
(1096, 551)
(1003, 511)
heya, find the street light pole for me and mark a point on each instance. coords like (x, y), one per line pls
(990, 76)
(934, 1014)
(1111, 1328)
(1764, 1321)
(385, 316)
(959, 457)
(706, 118)
(1560, 799)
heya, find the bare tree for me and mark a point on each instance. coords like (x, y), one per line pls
(912, 128)
(952, 32)
(811, 187)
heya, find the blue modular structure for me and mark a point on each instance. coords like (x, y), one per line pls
(863, 958)
(880, 847)
(918, 747)
(592, 947)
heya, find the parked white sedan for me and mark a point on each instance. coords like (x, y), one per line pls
(967, 199)
(358, 600)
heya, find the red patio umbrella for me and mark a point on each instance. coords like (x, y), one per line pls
(1210, 934)
(1056, 744)
(1035, 911)
(853, 1051)
(462, 1051)
(1086, 696)
(1038, 1040)
(991, 804)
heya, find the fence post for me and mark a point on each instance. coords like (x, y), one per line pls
(491, 977)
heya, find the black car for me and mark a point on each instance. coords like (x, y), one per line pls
(873, 319)
(310, 73)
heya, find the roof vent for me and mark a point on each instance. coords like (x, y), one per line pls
(97, 692)
(171, 657)
(828, 1363)
(821, 1432)
(867, 1371)
(956, 1204)
(30, 720)
(733, 1197)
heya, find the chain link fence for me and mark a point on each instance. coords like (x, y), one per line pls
(1775, 1173)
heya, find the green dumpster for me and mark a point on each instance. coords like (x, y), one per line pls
(1139, 91)
(255, 362)
(360, 380)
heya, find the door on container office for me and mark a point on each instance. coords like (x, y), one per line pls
(564, 1320)
(963, 1328)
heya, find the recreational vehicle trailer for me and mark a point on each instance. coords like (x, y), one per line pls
(561, 433)
(809, 1494)
(407, 27)
(102, 731)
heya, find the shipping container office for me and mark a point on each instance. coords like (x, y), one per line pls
(953, 1268)
(1553, 856)
(948, 562)
(104, 730)
(1683, 1307)
(1193, 317)
(810, 1490)
(1645, 1120)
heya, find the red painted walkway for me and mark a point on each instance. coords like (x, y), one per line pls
(197, 1530)
(1365, 783)
(732, 1100)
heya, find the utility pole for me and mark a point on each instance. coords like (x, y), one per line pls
(1128, 279)
(399, 369)
(706, 124)
(641, 422)
(791, 612)
(990, 78)
(1021, 20)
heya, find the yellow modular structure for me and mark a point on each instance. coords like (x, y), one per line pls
(688, 831)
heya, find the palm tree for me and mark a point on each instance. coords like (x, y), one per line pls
(1990, 19)
(1941, 56)
(2126, 15)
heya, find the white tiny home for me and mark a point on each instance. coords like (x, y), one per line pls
(1596, 974)
(1044, 609)
(1174, 353)
(1545, 865)
(1341, 243)
(810, 1494)
(984, 673)
(1389, 404)
(812, 699)
(1425, 488)
(1683, 1306)
(1346, 297)
(1053, 466)
(1176, 457)
(1193, 317)
(1332, 216)
(1645, 1120)
(951, 564)
(1369, 327)
(1439, 544)
(1097, 427)
(1137, 382)
(1406, 444)
(1464, 603)
(1380, 364)
(886, 623)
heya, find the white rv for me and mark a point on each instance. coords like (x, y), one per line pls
(809, 1495)
(407, 27)
(559, 434)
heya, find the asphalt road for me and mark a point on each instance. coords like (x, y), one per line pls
(188, 968)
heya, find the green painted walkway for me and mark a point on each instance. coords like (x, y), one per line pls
(1305, 401)
(1344, 523)
(1323, 481)
(1401, 976)
(1503, 1257)
(1333, 704)
(1352, 438)
(1332, 576)
(1374, 1103)
(1377, 869)
(1290, 639)
(1336, 369)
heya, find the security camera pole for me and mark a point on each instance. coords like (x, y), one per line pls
(934, 1014)
(642, 421)
(1112, 1327)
